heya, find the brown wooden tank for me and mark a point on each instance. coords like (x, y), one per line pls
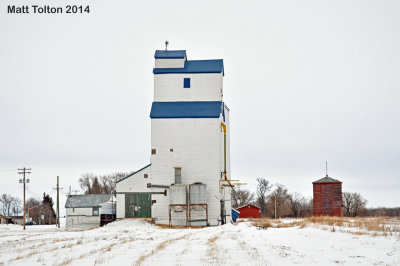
(327, 197)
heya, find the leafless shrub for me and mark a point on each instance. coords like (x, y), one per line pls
(241, 197)
(263, 186)
(353, 204)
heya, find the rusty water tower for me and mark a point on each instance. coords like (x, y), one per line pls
(327, 197)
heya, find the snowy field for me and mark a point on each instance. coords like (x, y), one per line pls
(136, 242)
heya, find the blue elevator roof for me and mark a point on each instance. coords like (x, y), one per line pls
(195, 66)
(173, 54)
(185, 110)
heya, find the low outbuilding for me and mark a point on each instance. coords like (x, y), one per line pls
(249, 211)
(5, 219)
(83, 211)
(18, 220)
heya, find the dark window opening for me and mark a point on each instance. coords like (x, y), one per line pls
(171, 150)
(153, 151)
(95, 211)
(178, 177)
(146, 175)
(186, 82)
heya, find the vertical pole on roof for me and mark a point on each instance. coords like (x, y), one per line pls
(326, 168)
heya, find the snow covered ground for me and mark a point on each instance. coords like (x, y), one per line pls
(136, 242)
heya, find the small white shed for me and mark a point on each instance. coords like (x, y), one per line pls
(83, 211)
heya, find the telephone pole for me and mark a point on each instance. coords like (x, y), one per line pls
(58, 202)
(23, 172)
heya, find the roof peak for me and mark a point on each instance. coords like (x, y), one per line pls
(327, 179)
(170, 54)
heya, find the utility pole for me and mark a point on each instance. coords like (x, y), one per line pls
(24, 171)
(58, 202)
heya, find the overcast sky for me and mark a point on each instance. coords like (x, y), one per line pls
(306, 82)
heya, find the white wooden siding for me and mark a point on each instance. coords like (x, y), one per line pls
(203, 87)
(120, 205)
(196, 145)
(81, 218)
(170, 63)
(136, 182)
(80, 211)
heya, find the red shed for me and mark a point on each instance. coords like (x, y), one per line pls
(249, 211)
(327, 197)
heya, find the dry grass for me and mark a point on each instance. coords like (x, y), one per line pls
(212, 240)
(374, 226)
(159, 247)
(65, 262)
(165, 226)
(262, 223)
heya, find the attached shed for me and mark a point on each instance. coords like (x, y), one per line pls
(327, 197)
(133, 195)
(83, 211)
(249, 211)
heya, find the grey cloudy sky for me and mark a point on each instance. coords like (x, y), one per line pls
(306, 81)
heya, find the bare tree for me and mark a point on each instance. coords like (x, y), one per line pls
(102, 184)
(8, 203)
(16, 206)
(263, 186)
(298, 204)
(353, 204)
(278, 202)
(242, 197)
(85, 182)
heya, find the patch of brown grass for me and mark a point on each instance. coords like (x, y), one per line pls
(212, 240)
(159, 247)
(65, 262)
(32, 253)
(374, 226)
(262, 223)
(166, 226)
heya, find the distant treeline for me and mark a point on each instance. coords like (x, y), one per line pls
(382, 211)
(274, 200)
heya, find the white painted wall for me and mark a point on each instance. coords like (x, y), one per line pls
(81, 218)
(203, 87)
(82, 222)
(170, 63)
(80, 211)
(120, 206)
(196, 145)
(134, 183)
